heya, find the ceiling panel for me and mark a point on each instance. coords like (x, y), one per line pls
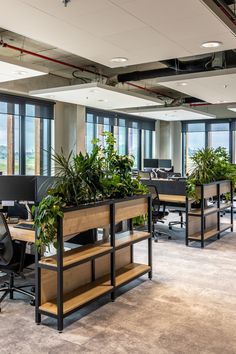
(143, 31)
(11, 70)
(218, 86)
(173, 114)
(98, 96)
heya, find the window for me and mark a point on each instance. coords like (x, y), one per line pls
(148, 143)
(194, 140)
(130, 133)
(210, 133)
(25, 136)
(134, 145)
(219, 135)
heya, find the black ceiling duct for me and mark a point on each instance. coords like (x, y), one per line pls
(219, 60)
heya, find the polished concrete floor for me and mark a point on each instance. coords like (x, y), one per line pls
(188, 307)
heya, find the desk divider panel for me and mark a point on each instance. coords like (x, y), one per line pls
(80, 220)
(64, 287)
(130, 209)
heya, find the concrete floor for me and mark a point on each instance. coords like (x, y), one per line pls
(188, 307)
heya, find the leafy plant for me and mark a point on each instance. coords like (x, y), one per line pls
(85, 178)
(209, 165)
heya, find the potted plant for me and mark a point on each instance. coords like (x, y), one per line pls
(85, 178)
(209, 165)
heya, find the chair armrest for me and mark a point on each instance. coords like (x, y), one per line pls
(2, 247)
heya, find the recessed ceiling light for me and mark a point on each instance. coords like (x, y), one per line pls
(103, 100)
(20, 72)
(119, 60)
(211, 44)
(182, 84)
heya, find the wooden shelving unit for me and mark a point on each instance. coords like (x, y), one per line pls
(72, 279)
(205, 222)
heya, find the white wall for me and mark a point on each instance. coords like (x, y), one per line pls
(169, 143)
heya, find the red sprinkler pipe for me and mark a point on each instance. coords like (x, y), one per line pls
(41, 56)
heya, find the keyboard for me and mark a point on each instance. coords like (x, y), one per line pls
(25, 226)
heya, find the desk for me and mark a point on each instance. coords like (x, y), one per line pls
(172, 198)
(22, 235)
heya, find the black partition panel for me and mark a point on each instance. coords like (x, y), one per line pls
(42, 184)
(167, 186)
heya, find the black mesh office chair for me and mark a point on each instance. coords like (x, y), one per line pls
(158, 212)
(12, 261)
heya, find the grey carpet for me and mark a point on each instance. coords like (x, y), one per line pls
(188, 307)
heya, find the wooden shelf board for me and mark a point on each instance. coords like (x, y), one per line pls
(79, 297)
(76, 255)
(207, 234)
(224, 227)
(130, 271)
(86, 293)
(207, 211)
(126, 238)
(225, 205)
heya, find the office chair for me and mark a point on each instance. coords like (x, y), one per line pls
(12, 261)
(158, 212)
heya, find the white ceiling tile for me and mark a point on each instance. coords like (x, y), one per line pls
(98, 96)
(78, 28)
(218, 86)
(173, 114)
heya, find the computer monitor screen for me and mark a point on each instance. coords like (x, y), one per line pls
(150, 163)
(162, 163)
(17, 188)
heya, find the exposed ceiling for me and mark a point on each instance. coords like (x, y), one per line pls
(102, 29)
(87, 34)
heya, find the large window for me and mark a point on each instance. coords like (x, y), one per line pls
(131, 134)
(25, 136)
(200, 135)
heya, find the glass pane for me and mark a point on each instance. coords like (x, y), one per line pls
(120, 136)
(16, 145)
(89, 137)
(30, 146)
(219, 138)
(133, 145)
(147, 144)
(193, 142)
(3, 138)
(46, 146)
(100, 129)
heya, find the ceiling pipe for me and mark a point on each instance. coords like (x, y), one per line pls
(224, 6)
(56, 61)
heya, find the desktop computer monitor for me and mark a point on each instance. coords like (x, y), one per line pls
(17, 188)
(164, 163)
(150, 163)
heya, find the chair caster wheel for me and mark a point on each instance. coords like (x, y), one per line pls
(33, 289)
(169, 238)
(155, 240)
(32, 302)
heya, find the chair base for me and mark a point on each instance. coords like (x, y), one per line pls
(174, 223)
(10, 288)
